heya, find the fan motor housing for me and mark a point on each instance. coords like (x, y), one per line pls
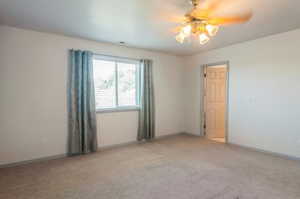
(194, 2)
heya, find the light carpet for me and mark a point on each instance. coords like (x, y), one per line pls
(179, 167)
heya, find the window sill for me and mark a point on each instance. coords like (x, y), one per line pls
(120, 109)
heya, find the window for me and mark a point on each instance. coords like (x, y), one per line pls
(116, 83)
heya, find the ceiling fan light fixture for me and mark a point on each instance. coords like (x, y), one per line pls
(212, 29)
(203, 22)
(203, 38)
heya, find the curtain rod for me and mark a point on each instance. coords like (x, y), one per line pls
(117, 57)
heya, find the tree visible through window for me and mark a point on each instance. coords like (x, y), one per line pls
(116, 83)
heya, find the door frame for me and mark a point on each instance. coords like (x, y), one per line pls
(203, 73)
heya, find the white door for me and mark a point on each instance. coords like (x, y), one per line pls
(215, 101)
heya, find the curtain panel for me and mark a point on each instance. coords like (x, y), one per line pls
(81, 104)
(146, 128)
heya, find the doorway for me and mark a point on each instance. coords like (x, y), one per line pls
(215, 101)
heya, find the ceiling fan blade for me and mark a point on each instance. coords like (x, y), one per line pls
(229, 20)
(209, 8)
(177, 19)
(200, 13)
(212, 5)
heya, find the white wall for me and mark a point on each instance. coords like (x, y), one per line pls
(33, 113)
(264, 92)
(264, 87)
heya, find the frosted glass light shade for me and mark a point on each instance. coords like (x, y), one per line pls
(203, 38)
(212, 29)
(186, 31)
(180, 38)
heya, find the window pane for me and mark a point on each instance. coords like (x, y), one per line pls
(105, 84)
(126, 84)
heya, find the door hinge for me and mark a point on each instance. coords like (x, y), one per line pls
(204, 74)
(204, 126)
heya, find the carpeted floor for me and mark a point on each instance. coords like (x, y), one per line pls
(179, 167)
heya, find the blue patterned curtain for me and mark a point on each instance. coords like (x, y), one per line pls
(81, 104)
(146, 129)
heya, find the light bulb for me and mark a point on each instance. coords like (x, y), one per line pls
(203, 38)
(186, 31)
(212, 29)
(180, 37)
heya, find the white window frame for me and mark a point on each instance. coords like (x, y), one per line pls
(138, 76)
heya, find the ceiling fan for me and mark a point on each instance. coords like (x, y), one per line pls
(204, 21)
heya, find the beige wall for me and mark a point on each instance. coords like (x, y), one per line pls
(33, 75)
(264, 92)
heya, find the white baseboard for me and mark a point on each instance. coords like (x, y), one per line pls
(266, 152)
(59, 156)
(135, 142)
(198, 135)
(53, 157)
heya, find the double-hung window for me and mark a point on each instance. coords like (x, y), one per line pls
(116, 83)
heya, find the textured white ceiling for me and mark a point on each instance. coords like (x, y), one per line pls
(143, 23)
